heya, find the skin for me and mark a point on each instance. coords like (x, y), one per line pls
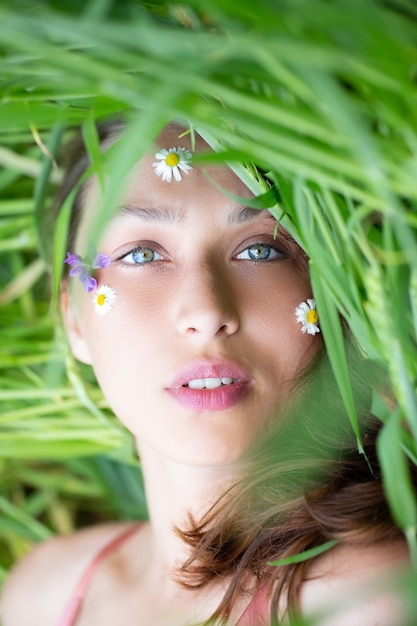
(201, 298)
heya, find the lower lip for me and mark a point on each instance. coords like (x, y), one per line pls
(218, 399)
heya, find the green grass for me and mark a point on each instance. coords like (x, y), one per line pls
(320, 95)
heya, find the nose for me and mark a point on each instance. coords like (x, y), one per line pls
(206, 307)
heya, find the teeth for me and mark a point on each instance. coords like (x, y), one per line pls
(209, 383)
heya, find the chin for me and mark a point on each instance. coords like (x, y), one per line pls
(207, 456)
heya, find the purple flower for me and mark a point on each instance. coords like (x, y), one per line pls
(88, 282)
(83, 268)
(101, 260)
(72, 259)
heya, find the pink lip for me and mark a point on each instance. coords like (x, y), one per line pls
(218, 399)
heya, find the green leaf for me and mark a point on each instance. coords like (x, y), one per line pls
(396, 475)
(306, 555)
(331, 326)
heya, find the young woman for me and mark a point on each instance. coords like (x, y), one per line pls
(197, 317)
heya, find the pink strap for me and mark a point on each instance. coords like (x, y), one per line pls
(255, 614)
(72, 610)
(257, 611)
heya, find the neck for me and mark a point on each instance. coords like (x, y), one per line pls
(174, 492)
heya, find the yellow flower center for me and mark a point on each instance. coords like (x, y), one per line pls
(172, 159)
(312, 317)
(101, 299)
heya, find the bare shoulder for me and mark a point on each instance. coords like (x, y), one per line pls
(358, 585)
(40, 586)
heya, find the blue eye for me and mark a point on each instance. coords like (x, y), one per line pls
(259, 252)
(141, 256)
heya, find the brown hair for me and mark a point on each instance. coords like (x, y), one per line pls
(75, 163)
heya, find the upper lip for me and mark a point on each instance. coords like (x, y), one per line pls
(208, 368)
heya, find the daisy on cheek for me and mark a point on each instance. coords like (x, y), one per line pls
(306, 314)
(104, 299)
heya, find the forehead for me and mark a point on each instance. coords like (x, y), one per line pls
(215, 183)
(216, 190)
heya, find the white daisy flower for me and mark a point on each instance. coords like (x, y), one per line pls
(306, 315)
(172, 162)
(104, 299)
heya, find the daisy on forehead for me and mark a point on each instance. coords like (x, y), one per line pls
(172, 162)
(206, 289)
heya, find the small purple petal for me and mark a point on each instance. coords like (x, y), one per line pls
(100, 261)
(72, 259)
(77, 269)
(89, 283)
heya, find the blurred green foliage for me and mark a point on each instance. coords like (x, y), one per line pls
(320, 95)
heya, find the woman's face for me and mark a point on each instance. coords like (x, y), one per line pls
(201, 348)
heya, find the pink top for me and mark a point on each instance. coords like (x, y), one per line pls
(255, 614)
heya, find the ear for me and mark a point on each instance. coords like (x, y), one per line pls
(78, 344)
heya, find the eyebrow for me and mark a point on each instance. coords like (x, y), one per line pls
(157, 214)
(169, 214)
(246, 214)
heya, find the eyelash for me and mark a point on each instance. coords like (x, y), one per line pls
(279, 254)
(137, 249)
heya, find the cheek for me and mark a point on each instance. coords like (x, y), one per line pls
(123, 342)
(140, 297)
(270, 311)
(270, 298)
(131, 327)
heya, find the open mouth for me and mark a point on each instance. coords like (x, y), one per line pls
(210, 383)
